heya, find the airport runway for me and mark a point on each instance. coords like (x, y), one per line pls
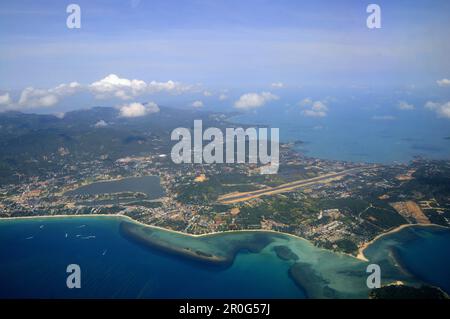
(241, 197)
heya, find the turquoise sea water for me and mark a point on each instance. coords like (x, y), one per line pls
(34, 254)
(113, 267)
(422, 252)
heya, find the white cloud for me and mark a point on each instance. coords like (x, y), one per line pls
(197, 104)
(306, 102)
(101, 123)
(66, 89)
(138, 109)
(441, 109)
(254, 100)
(132, 110)
(122, 88)
(383, 117)
(277, 85)
(443, 82)
(152, 107)
(431, 105)
(315, 109)
(32, 98)
(223, 97)
(405, 106)
(125, 89)
(111, 86)
(5, 99)
(207, 93)
(169, 86)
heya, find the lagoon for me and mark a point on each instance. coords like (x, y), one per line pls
(148, 185)
(152, 263)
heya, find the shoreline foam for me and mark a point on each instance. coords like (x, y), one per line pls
(221, 252)
(366, 245)
(360, 255)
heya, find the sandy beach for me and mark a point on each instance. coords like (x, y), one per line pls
(361, 249)
(176, 231)
(360, 256)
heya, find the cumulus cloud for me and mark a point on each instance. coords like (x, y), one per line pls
(66, 89)
(383, 117)
(254, 100)
(121, 88)
(207, 93)
(441, 109)
(101, 123)
(138, 109)
(132, 110)
(112, 86)
(443, 82)
(405, 106)
(223, 97)
(125, 89)
(314, 108)
(152, 107)
(33, 98)
(5, 99)
(197, 104)
(305, 102)
(277, 85)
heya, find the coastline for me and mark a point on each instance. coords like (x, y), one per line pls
(179, 232)
(363, 247)
(360, 255)
(138, 234)
(199, 251)
(153, 226)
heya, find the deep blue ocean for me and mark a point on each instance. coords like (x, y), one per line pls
(34, 254)
(428, 257)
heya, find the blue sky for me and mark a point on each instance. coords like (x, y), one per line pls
(225, 45)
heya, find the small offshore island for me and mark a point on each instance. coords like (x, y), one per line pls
(212, 212)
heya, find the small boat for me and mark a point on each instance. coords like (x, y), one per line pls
(66, 235)
(42, 226)
(31, 237)
(104, 252)
(88, 237)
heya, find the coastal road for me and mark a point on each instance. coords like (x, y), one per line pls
(242, 197)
